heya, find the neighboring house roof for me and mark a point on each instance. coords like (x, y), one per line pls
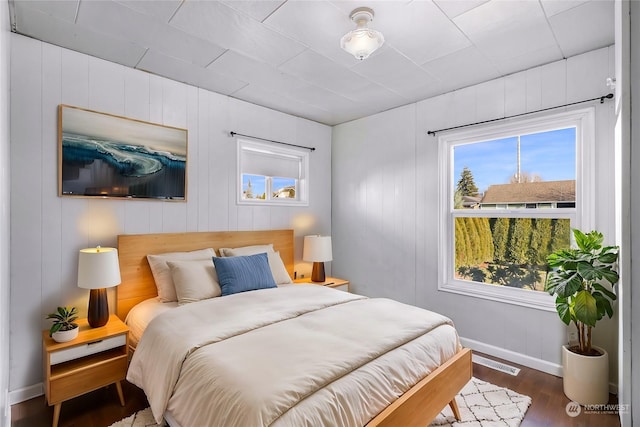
(531, 192)
(470, 201)
(286, 192)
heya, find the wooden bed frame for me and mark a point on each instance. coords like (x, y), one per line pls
(137, 280)
(420, 404)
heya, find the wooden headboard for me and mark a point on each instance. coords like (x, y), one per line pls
(137, 281)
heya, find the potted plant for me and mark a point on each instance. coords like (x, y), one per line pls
(579, 279)
(63, 328)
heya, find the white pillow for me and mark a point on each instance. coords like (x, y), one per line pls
(162, 274)
(279, 271)
(194, 280)
(246, 250)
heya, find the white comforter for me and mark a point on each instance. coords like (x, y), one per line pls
(296, 355)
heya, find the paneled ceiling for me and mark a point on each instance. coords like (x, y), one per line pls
(285, 54)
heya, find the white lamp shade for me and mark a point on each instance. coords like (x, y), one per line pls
(98, 268)
(317, 248)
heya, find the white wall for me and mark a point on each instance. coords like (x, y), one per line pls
(5, 38)
(623, 202)
(385, 193)
(631, 327)
(47, 231)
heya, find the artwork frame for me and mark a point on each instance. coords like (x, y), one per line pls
(102, 155)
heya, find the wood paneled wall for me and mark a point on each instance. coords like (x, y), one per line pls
(385, 195)
(4, 213)
(47, 231)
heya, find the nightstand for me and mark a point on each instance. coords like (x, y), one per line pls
(332, 282)
(96, 358)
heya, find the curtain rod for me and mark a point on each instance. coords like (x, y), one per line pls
(232, 133)
(601, 98)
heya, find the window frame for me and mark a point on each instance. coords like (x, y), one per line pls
(582, 216)
(272, 149)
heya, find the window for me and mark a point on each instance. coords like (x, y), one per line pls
(272, 175)
(509, 196)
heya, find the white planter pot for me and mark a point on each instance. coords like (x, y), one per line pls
(586, 378)
(64, 336)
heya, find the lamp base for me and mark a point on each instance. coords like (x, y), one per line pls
(317, 273)
(98, 314)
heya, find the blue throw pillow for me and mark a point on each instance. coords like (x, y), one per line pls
(243, 273)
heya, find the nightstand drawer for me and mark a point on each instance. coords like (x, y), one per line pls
(344, 288)
(87, 349)
(71, 381)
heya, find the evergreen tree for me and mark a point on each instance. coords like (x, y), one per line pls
(474, 243)
(461, 242)
(486, 238)
(474, 240)
(468, 245)
(519, 241)
(500, 232)
(540, 241)
(466, 184)
(561, 232)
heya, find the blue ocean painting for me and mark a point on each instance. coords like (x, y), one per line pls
(120, 157)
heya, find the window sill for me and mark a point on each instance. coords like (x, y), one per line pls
(503, 294)
(272, 203)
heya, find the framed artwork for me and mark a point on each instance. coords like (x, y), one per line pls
(103, 155)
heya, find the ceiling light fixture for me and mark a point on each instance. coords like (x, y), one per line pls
(362, 41)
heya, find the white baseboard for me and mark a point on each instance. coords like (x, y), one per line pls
(26, 393)
(522, 359)
(512, 356)
(5, 416)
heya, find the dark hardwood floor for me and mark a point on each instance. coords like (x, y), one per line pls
(101, 407)
(548, 406)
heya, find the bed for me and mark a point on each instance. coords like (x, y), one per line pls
(317, 377)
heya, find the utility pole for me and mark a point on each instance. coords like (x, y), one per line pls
(518, 175)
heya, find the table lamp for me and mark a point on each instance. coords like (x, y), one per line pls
(318, 250)
(98, 269)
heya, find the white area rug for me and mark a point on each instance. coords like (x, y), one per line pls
(481, 404)
(142, 418)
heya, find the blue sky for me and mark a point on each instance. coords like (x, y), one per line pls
(551, 155)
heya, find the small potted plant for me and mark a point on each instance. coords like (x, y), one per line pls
(582, 280)
(63, 328)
